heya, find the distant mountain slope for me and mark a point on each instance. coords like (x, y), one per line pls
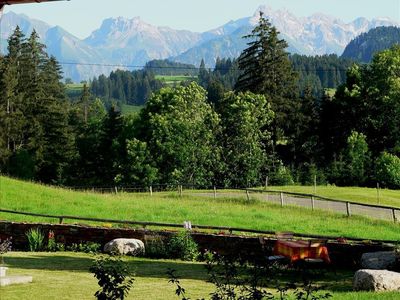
(133, 42)
(315, 35)
(59, 43)
(363, 47)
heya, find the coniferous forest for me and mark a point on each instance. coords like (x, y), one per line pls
(266, 113)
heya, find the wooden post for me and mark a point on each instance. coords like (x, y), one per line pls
(377, 192)
(394, 215)
(348, 209)
(315, 184)
(151, 191)
(61, 220)
(215, 192)
(281, 194)
(312, 202)
(180, 190)
(247, 194)
(116, 190)
(266, 182)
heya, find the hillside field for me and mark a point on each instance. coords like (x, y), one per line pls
(169, 207)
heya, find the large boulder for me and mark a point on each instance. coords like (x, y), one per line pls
(376, 280)
(125, 247)
(380, 260)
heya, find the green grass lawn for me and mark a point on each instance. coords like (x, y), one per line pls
(130, 109)
(170, 208)
(65, 275)
(171, 80)
(355, 194)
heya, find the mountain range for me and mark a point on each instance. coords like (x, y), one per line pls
(133, 42)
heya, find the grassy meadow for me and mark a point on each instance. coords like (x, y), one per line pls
(169, 207)
(172, 80)
(65, 276)
(127, 109)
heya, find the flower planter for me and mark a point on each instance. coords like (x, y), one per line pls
(3, 271)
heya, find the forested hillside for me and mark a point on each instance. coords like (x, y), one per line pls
(363, 47)
(243, 121)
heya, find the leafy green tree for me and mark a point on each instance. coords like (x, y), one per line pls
(138, 167)
(179, 128)
(244, 119)
(266, 69)
(388, 170)
(366, 103)
(357, 156)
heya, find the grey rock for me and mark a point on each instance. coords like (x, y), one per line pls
(121, 246)
(376, 280)
(380, 260)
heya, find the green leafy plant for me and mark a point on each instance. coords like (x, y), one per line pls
(35, 239)
(87, 247)
(235, 279)
(5, 246)
(51, 242)
(114, 278)
(183, 246)
(156, 248)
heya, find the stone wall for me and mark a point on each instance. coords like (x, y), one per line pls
(342, 254)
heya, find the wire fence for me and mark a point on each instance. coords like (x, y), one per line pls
(311, 201)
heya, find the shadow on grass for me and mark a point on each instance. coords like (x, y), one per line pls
(341, 281)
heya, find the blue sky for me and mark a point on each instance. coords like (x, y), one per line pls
(81, 17)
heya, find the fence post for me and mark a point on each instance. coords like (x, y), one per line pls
(312, 202)
(215, 192)
(266, 182)
(377, 192)
(151, 190)
(394, 215)
(180, 190)
(61, 220)
(315, 184)
(281, 199)
(116, 189)
(348, 209)
(247, 194)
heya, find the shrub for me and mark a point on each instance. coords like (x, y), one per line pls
(388, 170)
(156, 248)
(236, 279)
(183, 246)
(282, 176)
(114, 278)
(5, 246)
(88, 247)
(35, 239)
(51, 242)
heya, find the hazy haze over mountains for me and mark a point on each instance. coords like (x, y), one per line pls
(133, 42)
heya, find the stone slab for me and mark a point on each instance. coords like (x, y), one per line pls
(9, 280)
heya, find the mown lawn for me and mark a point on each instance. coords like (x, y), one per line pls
(174, 79)
(170, 208)
(130, 109)
(355, 194)
(65, 275)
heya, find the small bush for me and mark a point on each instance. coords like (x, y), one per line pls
(114, 278)
(183, 246)
(51, 242)
(5, 246)
(388, 170)
(35, 239)
(156, 248)
(282, 176)
(88, 247)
